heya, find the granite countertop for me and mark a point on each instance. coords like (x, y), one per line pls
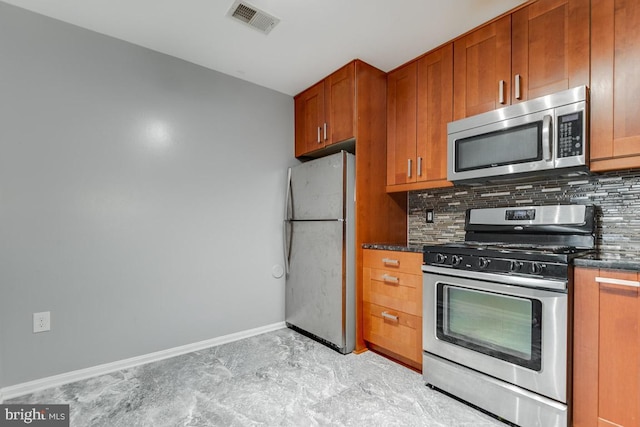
(611, 260)
(393, 247)
(601, 259)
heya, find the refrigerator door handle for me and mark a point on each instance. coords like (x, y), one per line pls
(286, 244)
(286, 235)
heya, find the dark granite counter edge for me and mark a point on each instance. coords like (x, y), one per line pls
(605, 260)
(392, 247)
(610, 260)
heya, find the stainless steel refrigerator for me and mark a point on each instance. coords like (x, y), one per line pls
(319, 240)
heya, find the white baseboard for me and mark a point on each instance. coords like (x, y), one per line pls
(94, 371)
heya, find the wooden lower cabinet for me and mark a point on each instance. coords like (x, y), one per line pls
(606, 360)
(392, 304)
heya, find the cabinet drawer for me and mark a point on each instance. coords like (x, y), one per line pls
(397, 290)
(407, 262)
(394, 330)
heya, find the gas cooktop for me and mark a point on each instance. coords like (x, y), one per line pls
(537, 241)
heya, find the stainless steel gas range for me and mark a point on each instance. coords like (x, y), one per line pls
(497, 326)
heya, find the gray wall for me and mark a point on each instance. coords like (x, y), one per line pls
(140, 199)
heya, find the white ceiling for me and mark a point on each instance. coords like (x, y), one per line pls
(313, 38)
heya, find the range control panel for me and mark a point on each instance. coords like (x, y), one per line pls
(498, 265)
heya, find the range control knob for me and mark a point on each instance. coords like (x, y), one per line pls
(456, 260)
(515, 266)
(440, 258)
(483, 262)
(536, 268)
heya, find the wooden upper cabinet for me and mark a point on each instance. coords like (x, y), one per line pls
(615, 87)
(401, 124)
(325, 113)
(340, 104)
(482, 69)
(309, 114)
(550, 48)
(435, 110)
(538, 50)
(606, 367)
(419, 106)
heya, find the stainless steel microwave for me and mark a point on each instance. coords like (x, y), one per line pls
(546, 135)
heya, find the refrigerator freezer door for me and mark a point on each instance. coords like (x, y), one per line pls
(318, 188)
(316, 287)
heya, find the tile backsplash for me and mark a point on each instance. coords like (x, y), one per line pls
(615, 195)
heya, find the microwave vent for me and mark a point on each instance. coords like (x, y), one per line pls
(252, 17)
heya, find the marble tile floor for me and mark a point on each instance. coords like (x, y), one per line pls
(280, 378)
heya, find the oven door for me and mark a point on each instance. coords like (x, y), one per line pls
(513, 333)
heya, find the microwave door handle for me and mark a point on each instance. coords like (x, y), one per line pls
(547, 137)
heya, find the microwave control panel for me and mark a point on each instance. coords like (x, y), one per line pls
(570, 137)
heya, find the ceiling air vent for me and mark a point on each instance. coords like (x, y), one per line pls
(253, 17)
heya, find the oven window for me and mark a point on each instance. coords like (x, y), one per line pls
(518, 144)
(501, 326)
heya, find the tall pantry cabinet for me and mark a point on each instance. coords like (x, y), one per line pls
(352, 103)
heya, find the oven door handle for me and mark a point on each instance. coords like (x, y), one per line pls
(506, 279)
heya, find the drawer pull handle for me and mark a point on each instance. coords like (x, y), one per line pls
(389, 261)
(390, 279)
(389, 316)
(606, 280)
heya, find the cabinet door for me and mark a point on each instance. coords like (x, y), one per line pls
(606, 367)
(585, 348)
(435, 110)
(340, 105)
(401, 125)
(619, 351)
(550, 48)
(615, 88)
(482, 66)
(309, 117)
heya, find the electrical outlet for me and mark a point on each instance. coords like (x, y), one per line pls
(429, 216)
(41, 322)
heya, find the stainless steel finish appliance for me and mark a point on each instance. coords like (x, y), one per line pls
(319, 245)
(497, 327)
(534, 137)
